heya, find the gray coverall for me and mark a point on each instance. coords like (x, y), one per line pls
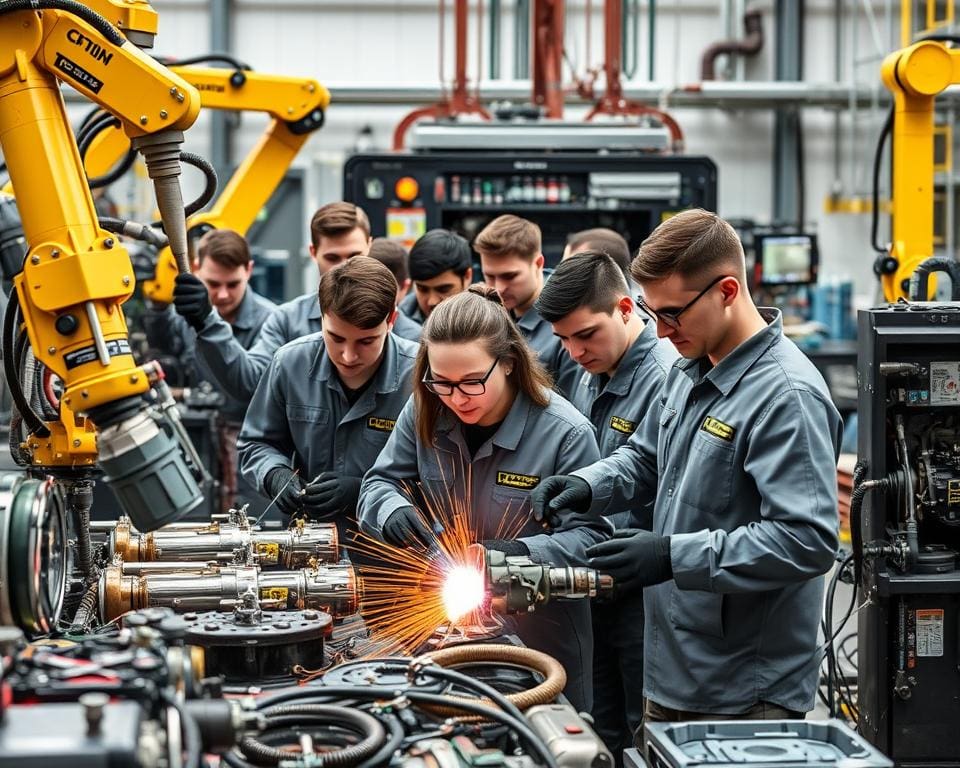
(741, 458)
(533, 442)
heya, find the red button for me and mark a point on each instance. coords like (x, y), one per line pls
(573, 729)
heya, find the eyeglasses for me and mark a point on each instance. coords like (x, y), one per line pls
(469, 387)
(671, 317)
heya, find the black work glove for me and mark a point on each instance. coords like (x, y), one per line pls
(509, 547)
(634, 558)
(561, 501)
(329, 494)
(191, 299)
(278, 481)
(407, 528)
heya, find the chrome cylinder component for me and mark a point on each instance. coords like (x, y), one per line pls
(577, 582)
(228, 541)
(332, 589)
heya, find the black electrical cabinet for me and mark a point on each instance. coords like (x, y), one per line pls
(630, 192)
(909, 448)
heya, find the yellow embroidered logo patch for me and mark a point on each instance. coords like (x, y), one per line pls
(515, 480)
(381, 424)
(623, 425)
(717, 428)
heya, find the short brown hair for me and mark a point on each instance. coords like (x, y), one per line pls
(477, 314)
(691, 244)
(392, 255)
(336, 220)
(225, 247)
(361, 291)
(604, 240)
(509, 234)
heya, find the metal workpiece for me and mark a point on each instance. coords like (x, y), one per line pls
(231, 540)
(333, 589)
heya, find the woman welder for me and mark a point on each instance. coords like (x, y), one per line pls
(483, 414)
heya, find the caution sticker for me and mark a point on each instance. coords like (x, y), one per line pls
(517, 480)
(380, 424)
(930, 632)
(274, 593)
(717, 428)
(953, 492)
(268, 552)
(625, 426)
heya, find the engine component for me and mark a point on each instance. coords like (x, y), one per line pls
(34, 556)
(519, 585)
(255, 647)
(329, 588)
(232, 540)
(460, 752)
(569, 737)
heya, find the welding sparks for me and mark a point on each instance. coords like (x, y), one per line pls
(410, 594)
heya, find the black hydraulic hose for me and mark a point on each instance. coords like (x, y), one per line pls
(354, 720)
(877, 162)
(90, 16)
(143, 232)
(97, 126)
(115, 173)
(420, 697)
(34, 424)
(910, 512)
(395, 735)
(220, 58)
(919, 280)
(191, 731)
(210, 174)
(478, 686)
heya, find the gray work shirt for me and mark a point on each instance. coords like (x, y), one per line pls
(531, 443)
(410, 308)
(300, 417)
(238, 370)
(618, 407)
(742, 460)
(170, 333)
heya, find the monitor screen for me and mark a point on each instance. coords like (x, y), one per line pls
(786, 259)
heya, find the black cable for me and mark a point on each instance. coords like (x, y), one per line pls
(34, 424)
(115, 173)
(395, 735)
(90, 16)
(191, 731)
(99, 124)
(210, 174)
(877, 162)
(458, 678)
(220, 58)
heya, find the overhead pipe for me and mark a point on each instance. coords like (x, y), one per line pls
(750, 45)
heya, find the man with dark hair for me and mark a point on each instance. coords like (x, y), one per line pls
(603, 240)
(512, 263)
(739, 456)
(623, 365)
(393, 256)
(339, 231)
(223, 271)
(440, 265)
(328, 401)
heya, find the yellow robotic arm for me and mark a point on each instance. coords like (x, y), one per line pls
(914, 75)
(296, 106)
(76, 275)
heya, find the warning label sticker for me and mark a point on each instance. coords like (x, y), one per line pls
(930, 632)
(945, 383)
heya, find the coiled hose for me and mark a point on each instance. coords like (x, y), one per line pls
(353, 720)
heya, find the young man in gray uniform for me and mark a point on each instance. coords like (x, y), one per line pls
(512, 263)
(223, 270)
(329, 401)
(440, 266)
(338, 231)
(623, 367)
(739, 453)
(393, 256)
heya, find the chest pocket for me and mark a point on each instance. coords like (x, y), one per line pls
(510, 505)
(708, 476)
(666, 421)
(312, 433)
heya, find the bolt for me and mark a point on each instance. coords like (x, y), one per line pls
(143, 120)
(163, 114)
(84, 393)
(76, 443)
(93, 705)
(211, 627)
(55, 253)
(311, 88)
(51, 350)
(125, 280)
(108, 243)
(310, 615)
(34, 259)
(134, 378)
(282, 625)
(175, 92)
